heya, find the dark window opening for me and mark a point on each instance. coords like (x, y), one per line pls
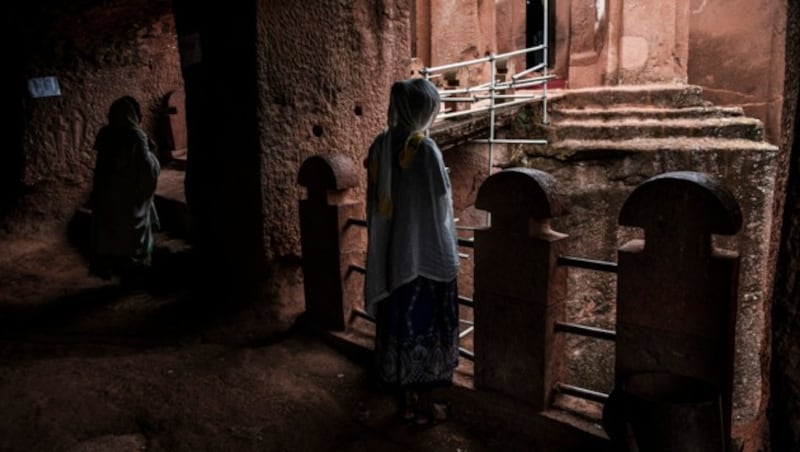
(534, 30)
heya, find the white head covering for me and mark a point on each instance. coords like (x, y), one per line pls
(413, 105)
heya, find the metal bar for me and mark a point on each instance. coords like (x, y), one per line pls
(356, 222)
(528, 82)
(363, 314)
(467, 90)
(470, 228)
(460, 99)
(509, 141)
(502, 96)
(492, 102)
(512, 96)
(545, 60)
(483, 109)
(466, 322)
(513, 53)
(464, 301)
(486, 59)
(357, 269)
(482, 88)
(430, 123)
(460, 64)
(535, 78)
(469, 243)
(588, 331)
(589, 264)
(476, 99)
(466, 353)
(518, 75)
(466, 332)
(583, 393)
(501, 86)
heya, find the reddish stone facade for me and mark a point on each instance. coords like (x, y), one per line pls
(278, 82)
(324, 74)
(97, 54)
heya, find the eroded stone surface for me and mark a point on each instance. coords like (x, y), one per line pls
(98, 54)
(599, 175)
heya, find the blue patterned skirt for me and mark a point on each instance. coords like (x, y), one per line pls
(416, 338)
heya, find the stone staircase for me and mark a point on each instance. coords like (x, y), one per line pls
(602, 143)
(588, 123)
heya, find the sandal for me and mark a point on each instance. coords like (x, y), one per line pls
(436, 413)
(440, 412)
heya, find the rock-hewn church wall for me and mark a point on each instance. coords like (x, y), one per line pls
(785, 396)
(737, 54)
(325, 70)
(97, 54)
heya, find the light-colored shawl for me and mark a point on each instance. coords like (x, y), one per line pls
(125, 178)
(413, 105)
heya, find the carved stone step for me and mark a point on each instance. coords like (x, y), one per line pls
(616, 113)
(633, 128)
(579, 150)
(668, 96)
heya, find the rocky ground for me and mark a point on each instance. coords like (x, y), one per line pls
(86, 365)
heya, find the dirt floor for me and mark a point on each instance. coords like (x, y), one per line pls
(86, 365)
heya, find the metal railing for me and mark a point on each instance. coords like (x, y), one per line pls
(588, 264)
(584, 330)
(560, 326)
(462, 300)
(492, 92)
(583, 393)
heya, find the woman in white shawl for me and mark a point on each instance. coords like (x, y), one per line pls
(125, 178)
(412, 260)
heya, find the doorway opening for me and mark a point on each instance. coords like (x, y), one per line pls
(539, 22)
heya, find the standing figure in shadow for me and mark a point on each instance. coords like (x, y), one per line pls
(125, 177)
(412, 260)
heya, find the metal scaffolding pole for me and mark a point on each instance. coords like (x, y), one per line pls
(494, 91)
